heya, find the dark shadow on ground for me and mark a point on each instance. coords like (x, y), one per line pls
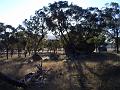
(101, 76)
(98, 57)
(106, 75)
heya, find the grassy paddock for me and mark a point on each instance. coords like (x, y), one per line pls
(95, 72)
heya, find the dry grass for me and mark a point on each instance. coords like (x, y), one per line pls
(68, 75)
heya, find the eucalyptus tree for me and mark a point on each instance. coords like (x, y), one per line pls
(93, 27)
(7, 36)
(111, 15)
(25, 39)
(53, 44)
(29, 43)
(60, 21)
(21, 42)
(2, 28)
(36, 29)
(77, 27)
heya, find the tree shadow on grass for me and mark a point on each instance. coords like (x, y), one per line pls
(98, 57)
(107, 74)
(13, 75)
(77, 66)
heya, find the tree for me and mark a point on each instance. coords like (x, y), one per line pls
(36, 28)
(2, 28)
(53, 45)
(74, 25)
(7, 36)
(111, 15)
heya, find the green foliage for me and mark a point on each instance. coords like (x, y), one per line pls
(76, 27)
(74, 24)
(111, 15)
(53, 44)
(36, 28)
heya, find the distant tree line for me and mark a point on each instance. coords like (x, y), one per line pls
(79, 30)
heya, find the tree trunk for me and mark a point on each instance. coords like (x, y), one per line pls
(12, 52)
(96, 48)
(19, 52)
(29, 52)
(117, 44)
(7, 52)
(25, 53)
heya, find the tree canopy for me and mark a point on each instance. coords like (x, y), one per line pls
(80, 30)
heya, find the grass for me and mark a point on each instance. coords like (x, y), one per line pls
(97, 72)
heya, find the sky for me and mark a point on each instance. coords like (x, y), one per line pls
(14, 12)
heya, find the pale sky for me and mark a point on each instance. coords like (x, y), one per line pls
(14, 12)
